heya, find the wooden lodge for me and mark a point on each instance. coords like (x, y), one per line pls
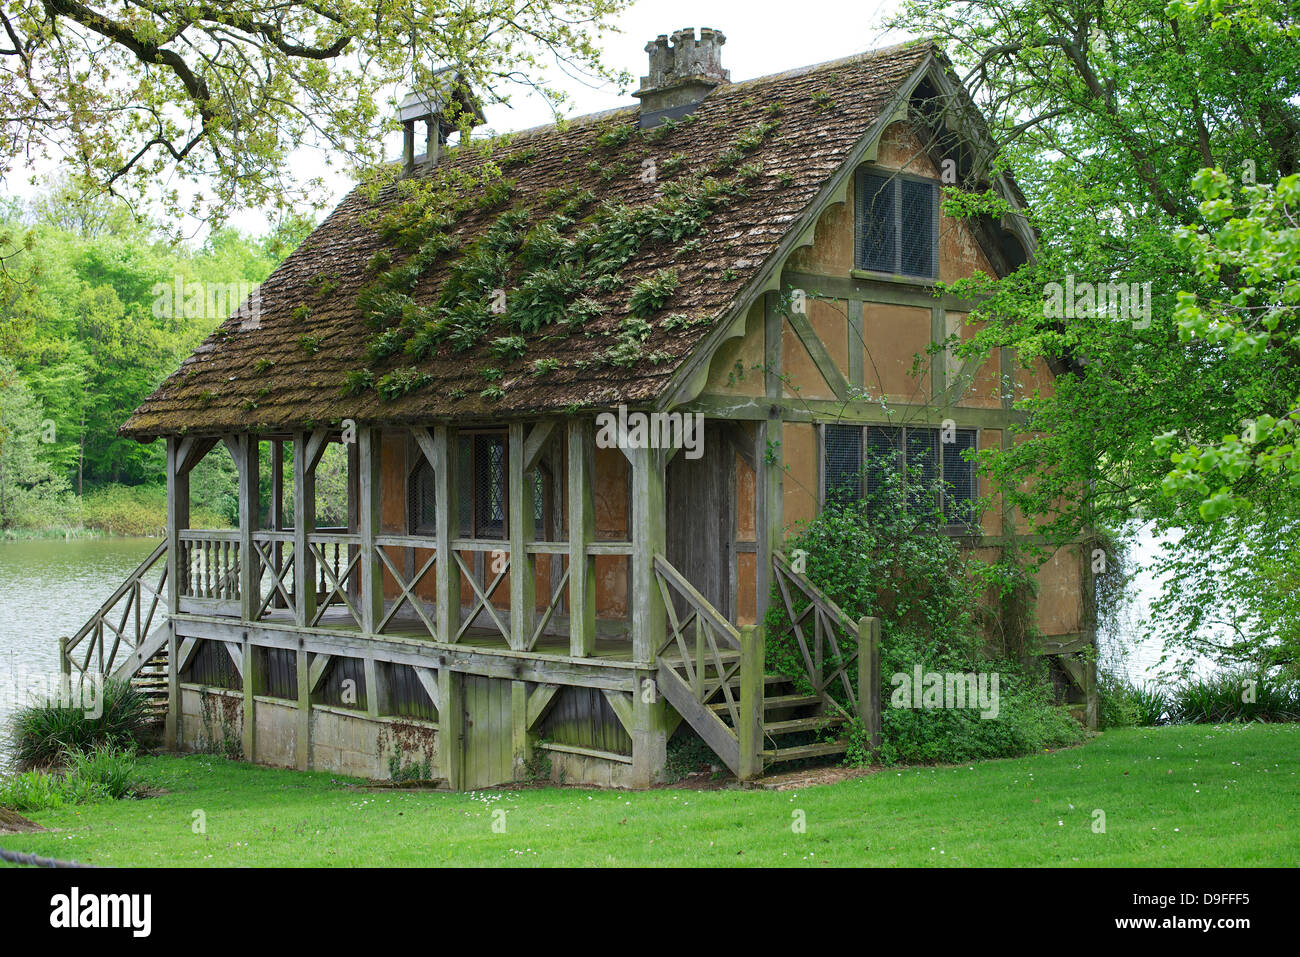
(511, 589)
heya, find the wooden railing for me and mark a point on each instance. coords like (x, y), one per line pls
(830, 645)
(128, 615)
(208, 564)
(712, 653)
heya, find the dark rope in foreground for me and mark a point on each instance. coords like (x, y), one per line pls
(31, 860)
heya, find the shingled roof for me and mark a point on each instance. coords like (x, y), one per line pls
(288, 369)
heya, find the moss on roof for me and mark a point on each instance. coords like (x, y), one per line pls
(389, 310)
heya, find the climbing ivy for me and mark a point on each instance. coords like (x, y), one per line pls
(534, 266)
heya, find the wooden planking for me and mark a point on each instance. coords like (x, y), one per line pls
(611, 674)
(244, 450)
(304, 523)
(582, 531)
(587, 718)
(369, 518)
(867, 413)
(451, 724)
(302, 755)
(178, 517)
(523, 565)
(489, 757)
(707, 724)
(446, 518)
(701, 513)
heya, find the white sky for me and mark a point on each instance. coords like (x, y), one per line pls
(763, 36)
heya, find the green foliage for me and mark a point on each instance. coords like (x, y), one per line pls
(141, 510)
(883, 557)
(687, 754)
(1120, 197)
(197, 113)
(41, 733)
(401, 382)
(32, 493)
(651, 294)
(98, 309)
(109, 770)
(1234, 695)
(1251, 262)
(530, 268)
(1123, 703)
(103, 773)
(357, 381)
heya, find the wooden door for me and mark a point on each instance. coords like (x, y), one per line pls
(489, 757)
(701, 516)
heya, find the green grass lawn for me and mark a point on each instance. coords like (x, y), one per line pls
(1194, 795)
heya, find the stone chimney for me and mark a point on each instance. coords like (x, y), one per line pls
(440, 108)
(681, 75)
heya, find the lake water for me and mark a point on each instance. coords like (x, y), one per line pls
(50, 588)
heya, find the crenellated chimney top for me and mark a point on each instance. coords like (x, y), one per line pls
(681, 75)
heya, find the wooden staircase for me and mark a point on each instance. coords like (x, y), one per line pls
(714, 675)
(795, 727)
(126, 639)
(151, 681)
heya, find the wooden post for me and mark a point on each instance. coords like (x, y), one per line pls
(252, 675)
(582, 531)
(523, 572)
(769, 457)
(752, 664)
(447, 520)
(250, 572)
(869, 678)
(65, 663)
(520, 746)
(178, 517)
(275, 516)
(649, 537)
(649, 617)
(451, 726)
(368, 519)
(304, 523)
(303, 750)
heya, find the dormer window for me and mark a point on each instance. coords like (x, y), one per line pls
(897, 227)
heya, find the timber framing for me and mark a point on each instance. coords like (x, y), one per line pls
(555, 596)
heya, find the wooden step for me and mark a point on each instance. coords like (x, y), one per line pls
(807, 751)
(815, 723)
(774, 703)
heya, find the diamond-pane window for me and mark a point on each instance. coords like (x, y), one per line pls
(897, 224)
(859, 461)
(843, 463)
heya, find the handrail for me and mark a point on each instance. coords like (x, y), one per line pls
(117, 596)
(815, 594)
(697, 601)
(132, 590)
(863, 637)
(695, 694)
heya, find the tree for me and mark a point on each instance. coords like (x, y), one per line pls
(30, 491)
(220, 93)
(1106, 113)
